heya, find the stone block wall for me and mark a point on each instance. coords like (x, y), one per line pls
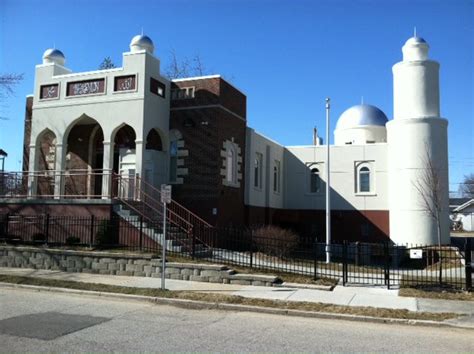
(124, 264)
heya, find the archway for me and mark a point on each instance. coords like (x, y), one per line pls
(84, 158)
(45, 162)
(124, 162)
(155, 161)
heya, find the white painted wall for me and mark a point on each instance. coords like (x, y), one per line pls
(344, 160)
(271, 151)
(360, 135)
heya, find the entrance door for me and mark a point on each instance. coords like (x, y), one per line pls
(127, 171)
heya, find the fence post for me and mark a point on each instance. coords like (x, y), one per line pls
(194, 243)
(387, 264)
(344, 263)
(46, 228)
(468, 263)
(141, 232)
(251, 248)
(315, 255)
(91, 236)
(6, 225)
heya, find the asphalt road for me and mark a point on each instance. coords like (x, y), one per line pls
(82, 323)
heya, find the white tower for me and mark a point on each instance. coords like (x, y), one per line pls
(417, 138)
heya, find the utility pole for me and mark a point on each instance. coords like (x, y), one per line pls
(328, 186)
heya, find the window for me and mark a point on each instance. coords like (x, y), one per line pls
(173, 160)
(276, 177)
(257, 182)
(156, 87)
(182, 93)
(231, 166)
(364, 179)
(315, 181)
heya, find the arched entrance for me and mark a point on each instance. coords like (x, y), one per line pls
(124, 162)
(155, 160)
(45, 163)
(84, 158)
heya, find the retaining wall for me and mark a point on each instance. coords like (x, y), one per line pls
(124, 264)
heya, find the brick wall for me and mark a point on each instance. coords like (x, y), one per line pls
(205, 130)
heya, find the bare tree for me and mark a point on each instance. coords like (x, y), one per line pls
(466, 188)
(430, 189)
(7, 84)
(181, 68)
(107, 63)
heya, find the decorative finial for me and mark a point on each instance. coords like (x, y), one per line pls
(414, 31)
(327, 102)
(142, 31)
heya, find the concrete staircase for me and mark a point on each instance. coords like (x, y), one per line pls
(177, 240)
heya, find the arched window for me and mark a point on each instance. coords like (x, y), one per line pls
(364, 179)
(173, 160)
(276, 177)
(315, 181)
(231, 165)
(257, 182)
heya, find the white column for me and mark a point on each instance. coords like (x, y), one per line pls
(107, 168)
(59, 173)
(31, 172)
(139, 165)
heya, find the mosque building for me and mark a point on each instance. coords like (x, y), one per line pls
(192, 133)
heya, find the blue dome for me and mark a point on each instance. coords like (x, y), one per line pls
(360, 115)
(53, 54)
(142, 40)
(415, 40)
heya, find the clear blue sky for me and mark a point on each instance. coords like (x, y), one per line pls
(287, 56)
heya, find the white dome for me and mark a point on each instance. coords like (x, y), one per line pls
(415, 48)
(53, 56)
(415, 40)
(142, 42)
(361, 115)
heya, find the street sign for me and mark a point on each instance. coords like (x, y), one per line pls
(166, 193)
(416, 254)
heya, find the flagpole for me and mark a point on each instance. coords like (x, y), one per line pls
(328, 186)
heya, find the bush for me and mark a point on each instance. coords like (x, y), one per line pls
(274, 240)
(73, 240)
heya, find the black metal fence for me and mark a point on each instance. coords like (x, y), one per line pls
(364, 263)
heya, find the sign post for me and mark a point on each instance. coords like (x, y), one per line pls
(165, 199)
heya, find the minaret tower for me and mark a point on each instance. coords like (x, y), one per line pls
(417, 149)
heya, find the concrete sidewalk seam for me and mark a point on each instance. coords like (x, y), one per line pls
(202, 305)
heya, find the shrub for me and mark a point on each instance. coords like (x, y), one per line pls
(274, 240)
(72, 240)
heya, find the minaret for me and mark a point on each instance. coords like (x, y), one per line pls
(417, 138)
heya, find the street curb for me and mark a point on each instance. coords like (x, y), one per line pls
(203, 305)
(305, 286)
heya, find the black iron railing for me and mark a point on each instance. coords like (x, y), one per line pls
(364, 263)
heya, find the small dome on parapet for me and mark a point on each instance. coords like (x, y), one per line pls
(54, 56)
(142, 42)
(415, 40)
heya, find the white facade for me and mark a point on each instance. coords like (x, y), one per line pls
(59, 110)
(391, 156)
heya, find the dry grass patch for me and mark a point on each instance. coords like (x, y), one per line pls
(230, 299)
(436, 292)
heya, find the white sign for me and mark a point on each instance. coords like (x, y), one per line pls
(416, 254)
(166, 193)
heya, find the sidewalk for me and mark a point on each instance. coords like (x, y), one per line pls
(348, 296)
